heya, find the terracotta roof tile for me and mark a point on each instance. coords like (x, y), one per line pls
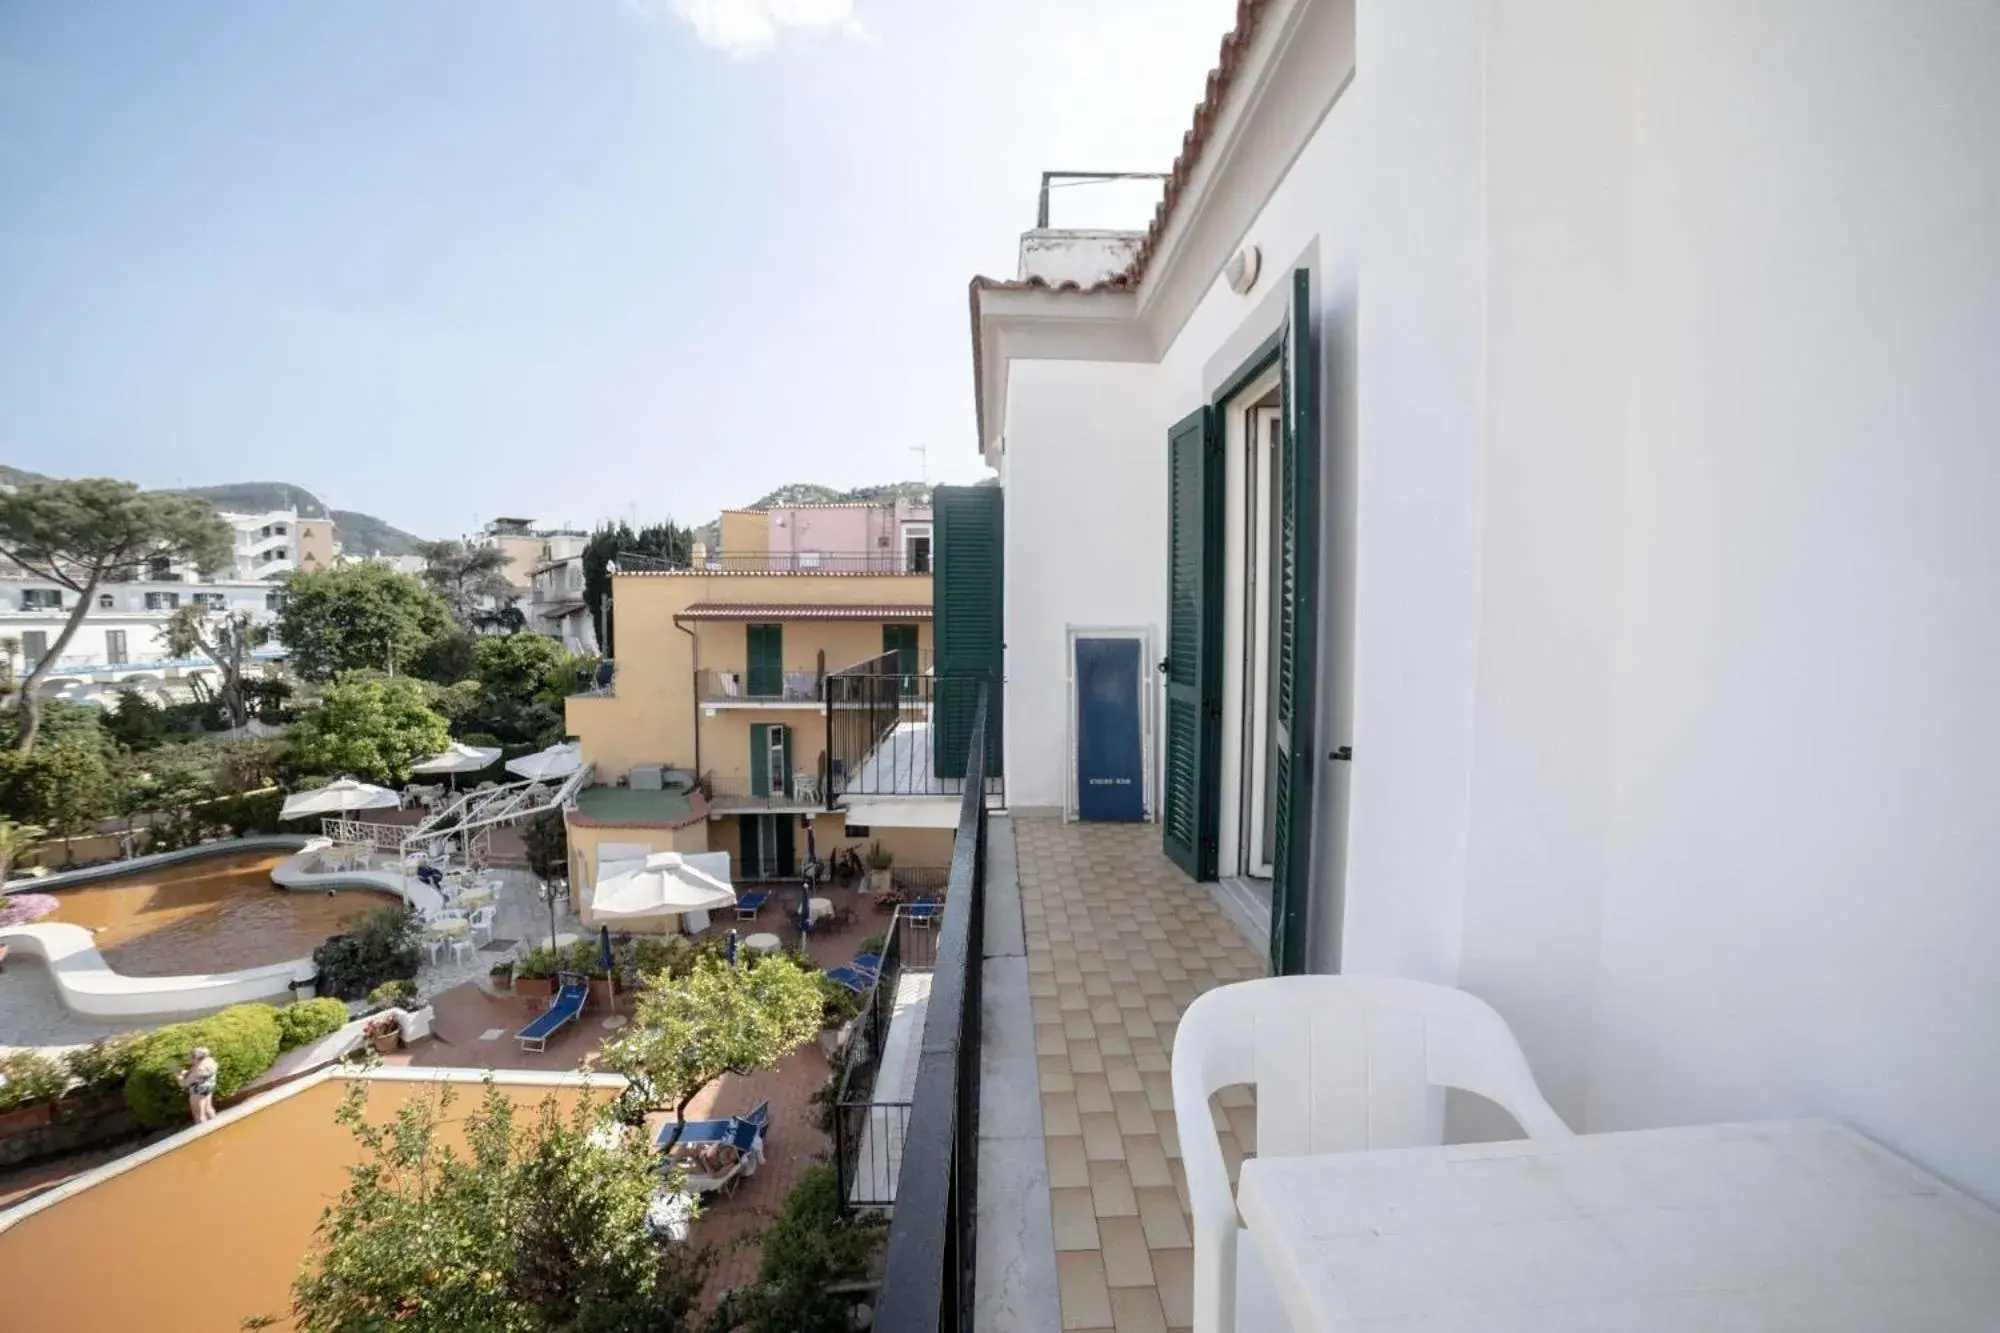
(807, 611)
(1235, 46)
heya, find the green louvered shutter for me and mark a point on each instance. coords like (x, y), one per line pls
(968, 523)
(1298, 628)
(785, 741)
(760, 759)
(746, 846)
(764, 649)
(788, 862)
(1189, 800)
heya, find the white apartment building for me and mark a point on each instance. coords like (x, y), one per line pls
(121, 641)
(270, 545)
(556, 606)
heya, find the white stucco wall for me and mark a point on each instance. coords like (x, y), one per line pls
(1659, 345)
(1086, 477)
(1729, 840)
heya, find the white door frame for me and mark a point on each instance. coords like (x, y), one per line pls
(1148, 683)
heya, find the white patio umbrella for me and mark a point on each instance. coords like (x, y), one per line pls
(458, 758)
(339, 797)
(558, 761)
(664, 884)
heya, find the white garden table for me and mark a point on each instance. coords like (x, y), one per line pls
(1801, 1225)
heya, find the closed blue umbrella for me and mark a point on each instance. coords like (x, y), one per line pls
(607, 962)
(729, 947)
(805, 908)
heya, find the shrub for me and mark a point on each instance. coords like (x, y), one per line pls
(397, 994)
(809, 1248)
(309, 1020)
(537, 964)
(873, 944)
(28, 1078)
(376, 947)
(246, 814)
(838, 1004)
(105, 1063)
(879, 857)
(243, 1040)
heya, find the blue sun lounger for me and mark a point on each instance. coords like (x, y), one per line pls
(561, 1012)
(712, 1131)
(922, 912)
(752, 903)
(858, 982)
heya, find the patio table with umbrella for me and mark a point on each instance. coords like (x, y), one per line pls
(339, 797)
(557, 761)
(664, 884)
(457, 758)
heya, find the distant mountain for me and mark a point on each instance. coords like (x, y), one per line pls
(811, 493)
(359, 533)
(254, 497)
(365, 534)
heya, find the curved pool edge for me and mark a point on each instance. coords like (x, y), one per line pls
(70, 879)
(91, 988)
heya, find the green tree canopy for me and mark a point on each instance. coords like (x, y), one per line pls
(659, 545)
(65, 785)
(534, 1227)
(225, 639)
(472, 580)
(358, 618)
(687, 1031)
(79, 533)
(369, 725)
(448, 659)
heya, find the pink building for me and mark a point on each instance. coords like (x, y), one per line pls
(844, 537)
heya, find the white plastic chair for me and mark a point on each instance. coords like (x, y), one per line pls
(481, 922)
(1339, 1064)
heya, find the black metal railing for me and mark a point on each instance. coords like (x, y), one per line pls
(895, 731)
(862, 1127)
(884, 561)
(927, 1278)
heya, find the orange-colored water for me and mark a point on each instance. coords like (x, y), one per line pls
(218, 914)
(207, 1234)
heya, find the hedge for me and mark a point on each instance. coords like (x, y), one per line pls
(309, 1020)
(243, 1040)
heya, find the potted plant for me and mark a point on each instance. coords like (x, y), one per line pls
(382, 1031)
(880, 859)
(502, 976)
(30, 1082)
(535, 974)
(396, 993)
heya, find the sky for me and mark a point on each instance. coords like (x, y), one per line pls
(569, 259)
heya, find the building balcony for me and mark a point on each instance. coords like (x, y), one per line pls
(793, 687)
(1053, 1011)
(883, 561)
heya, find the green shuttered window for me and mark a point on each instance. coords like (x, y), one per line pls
(968, 522)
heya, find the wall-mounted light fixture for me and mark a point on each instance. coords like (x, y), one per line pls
(1241, 270)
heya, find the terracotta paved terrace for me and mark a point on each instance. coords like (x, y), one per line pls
(1119, 943)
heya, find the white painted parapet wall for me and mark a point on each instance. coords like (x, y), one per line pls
(92, 989)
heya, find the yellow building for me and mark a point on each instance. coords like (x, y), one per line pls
(748, 707)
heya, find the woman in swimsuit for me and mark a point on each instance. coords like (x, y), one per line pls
(199, 1080)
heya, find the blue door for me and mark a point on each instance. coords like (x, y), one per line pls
(1110, 762)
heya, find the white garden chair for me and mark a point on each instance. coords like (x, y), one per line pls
(1339, 1064)
(480, 925)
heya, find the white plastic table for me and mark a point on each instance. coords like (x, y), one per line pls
(762, 943)
(1800, 1225)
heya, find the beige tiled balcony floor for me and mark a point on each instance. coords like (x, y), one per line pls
(1119, 943)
